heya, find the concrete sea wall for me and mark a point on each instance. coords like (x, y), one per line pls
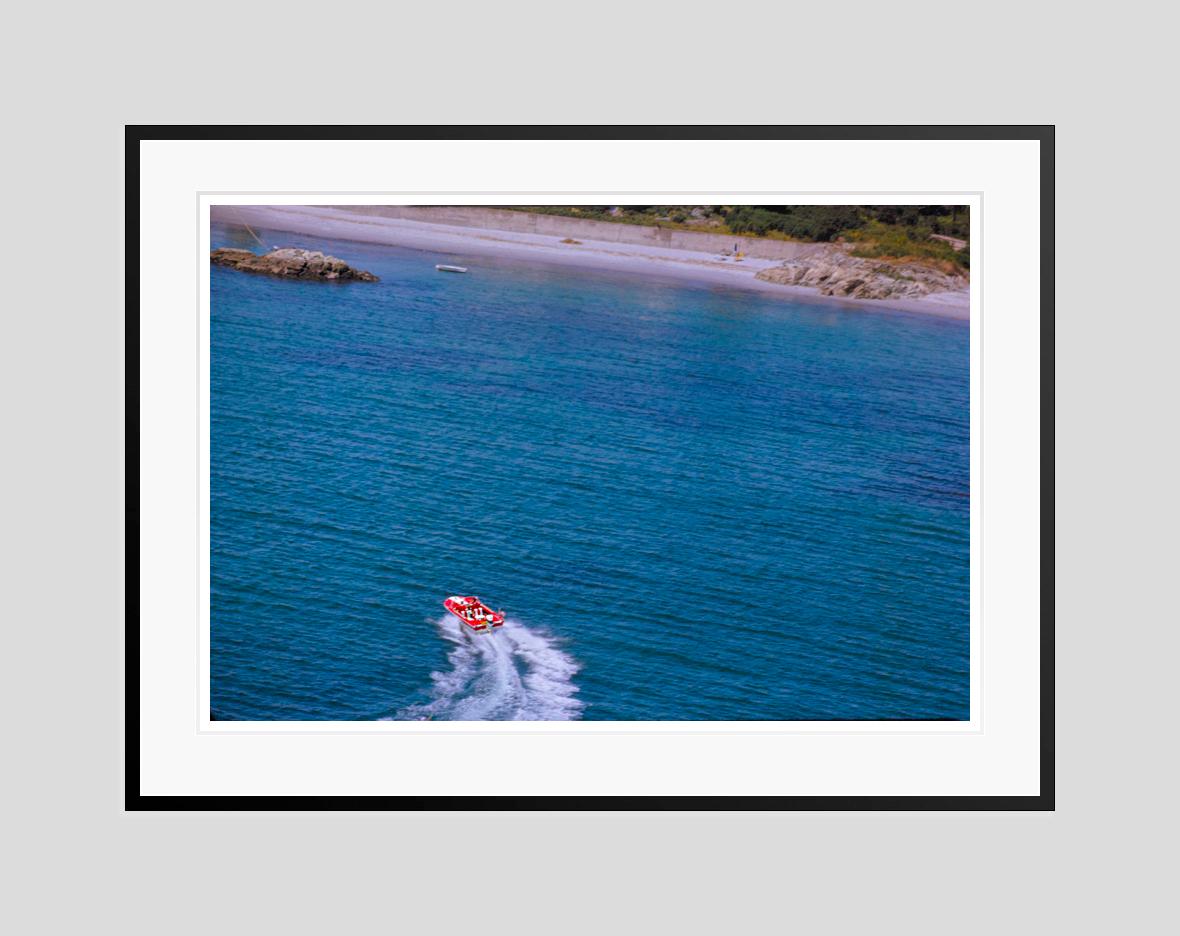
(524, 222)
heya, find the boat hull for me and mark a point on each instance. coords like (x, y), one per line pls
(474, 614)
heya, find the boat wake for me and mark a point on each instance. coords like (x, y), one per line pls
(514, 674)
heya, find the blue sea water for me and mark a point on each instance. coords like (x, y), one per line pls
(692, 503)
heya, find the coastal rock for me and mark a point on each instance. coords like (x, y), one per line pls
(835, 272)
(292, 262)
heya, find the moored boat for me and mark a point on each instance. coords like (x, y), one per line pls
(447, 268)
(474, 613)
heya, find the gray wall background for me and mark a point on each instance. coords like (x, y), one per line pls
(78, 864)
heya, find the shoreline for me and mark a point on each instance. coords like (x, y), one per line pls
(687, 265)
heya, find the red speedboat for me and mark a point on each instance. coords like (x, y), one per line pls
(474, 613)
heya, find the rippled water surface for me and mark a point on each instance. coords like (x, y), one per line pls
(691, 503)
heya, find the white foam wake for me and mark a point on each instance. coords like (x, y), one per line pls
(513, 674)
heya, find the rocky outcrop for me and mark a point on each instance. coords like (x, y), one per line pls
(835, 272)
(292, 262)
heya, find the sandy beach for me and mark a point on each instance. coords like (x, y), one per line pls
(702, 267)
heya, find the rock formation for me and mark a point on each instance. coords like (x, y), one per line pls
(835, 272)
(290, 261)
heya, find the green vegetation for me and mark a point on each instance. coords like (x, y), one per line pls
(933, 234)
(896, 242)
(801, 222)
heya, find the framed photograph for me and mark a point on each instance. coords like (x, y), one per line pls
(590, 467)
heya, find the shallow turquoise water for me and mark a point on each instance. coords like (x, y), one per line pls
(692, 503)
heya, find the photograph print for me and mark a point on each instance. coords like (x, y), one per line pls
(616, 463)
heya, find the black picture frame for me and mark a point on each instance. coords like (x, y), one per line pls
(135, 800)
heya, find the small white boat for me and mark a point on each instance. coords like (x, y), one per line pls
(447, 268)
